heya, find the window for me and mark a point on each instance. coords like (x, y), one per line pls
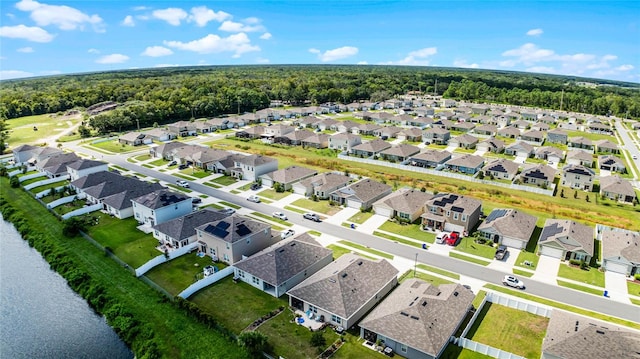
(240, 274)
(255, 280)
(313, 309)
(403, 215)
(403, 348)
(156, 233)
(464, 218)
(226, 257)
(448, 213)
(336, 319)
(455, 215)
(212, 251)
(248, 240)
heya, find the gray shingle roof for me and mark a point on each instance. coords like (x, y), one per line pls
(277, 264)
(621, 243)
(95, 179)
(401, 150)
(364, 190)
(432, 156)
(346, 284)
(123, 199)
(233, 228)
(420, 315)
(184, 227)
(615, 184)
(111, 187)
(454, 202)
(291, 174)
(466, 160)
(160, 198)
(254, 160)
(502, 165)
(539, 171)
(375, 146)
(557, 230)
(325, 180)
(84, 164)
(511, 223)
(579, 155)
(405, 200)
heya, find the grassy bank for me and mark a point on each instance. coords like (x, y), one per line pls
(149, 323)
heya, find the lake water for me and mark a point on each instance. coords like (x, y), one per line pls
(40, 316)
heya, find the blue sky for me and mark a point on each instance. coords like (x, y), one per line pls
(598, 39)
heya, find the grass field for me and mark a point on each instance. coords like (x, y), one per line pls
(398, 239)
(321, 206)
(271, 194)
(467, 245)
(408, 230)
(224, 180)
(591, 276)
(114, 147)
(468, 259)
(21, 129)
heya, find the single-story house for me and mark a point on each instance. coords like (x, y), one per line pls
(361, 194)
(509, 132)
(406, 204)
(620, 251)
(344, 290)
(134, 139)
(321, 185)
(491, 145)
(413, 134)
(286, 177)
(538, 174)
(430, 158)
(296, 138)
(463, 126)
(501, 168)
(606, 146)
(182, 129)
(578, 176)
(160, 134)
(387, 132)
(520, 149)
(451, 212)
(617, 189)
(579, 157)
(119, 204)
(464, 141)
(611, 163)
(281, 267)
(317, 140)
(566, 239)
(534, 136)
(580, 143)
(509, 227)
(371, 148)
(399, 153)
(541, 127)
(486, 130)
(466, 163)
(549, 153)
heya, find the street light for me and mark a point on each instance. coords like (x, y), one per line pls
(415, 265)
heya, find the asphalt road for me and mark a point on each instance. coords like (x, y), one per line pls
(629, 145)
(552, 292)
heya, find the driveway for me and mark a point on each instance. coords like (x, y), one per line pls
(507, 263)
(342, 216)
(479, 152)
(520, 159)
(372, 224)
(547, 270)
(616, 284)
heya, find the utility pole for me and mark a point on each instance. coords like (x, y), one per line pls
(415, 265)
(238, 104)
(435, 88)
(561, 98)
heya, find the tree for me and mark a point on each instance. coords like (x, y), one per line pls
(4, 134)
(575, 194)
(255, 343)
(72, 226)
(318, 340)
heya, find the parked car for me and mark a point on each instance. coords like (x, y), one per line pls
(501, 252)
(311, 216)
(228, 211)
(280, 215)
(453, 238)
(634, 157)
(512, 281)
(183, 167)
(254, 199)
(182, 183)
(288, 233)
(255, 186)
(196, 200)
(172, 163)
(441, 237)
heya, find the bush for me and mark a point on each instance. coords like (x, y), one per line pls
(575, 262)
(14, 182)
(636, 276)
(318, 340)
(255, 343)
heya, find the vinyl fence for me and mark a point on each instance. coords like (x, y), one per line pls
(206, 282)
(44, 182)
(46, 192)
(59, 201)
(514, 303)
(83, 210)
(429, 171)
(485, 349)
(165, 258)
(31, 176)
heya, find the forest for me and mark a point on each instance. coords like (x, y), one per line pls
(149, 96)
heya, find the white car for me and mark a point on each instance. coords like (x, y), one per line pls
(254, 199)
(634, 157)
(287, 233)
(182, 183)
(280, 215)
(512, 281)
(441, 237)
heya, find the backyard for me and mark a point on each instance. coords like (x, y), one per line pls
(177, 274)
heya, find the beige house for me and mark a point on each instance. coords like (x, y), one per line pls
(286, 177)
(510, 227)
(617, 189)
(451, 212)
(566, 239)
(406, 204)
(578, 177)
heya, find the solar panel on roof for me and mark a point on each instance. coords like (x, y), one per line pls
(550, 231)
(209, 229)
(223, 224)
(497, 213)
(457, 209)
(242, 229)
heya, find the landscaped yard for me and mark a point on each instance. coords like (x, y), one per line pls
(408, 230)
(235, 305)
(408, 242)
(360, 217)
(114, 146)
(529, 257)
(431, 279)
(320, 206)
(509, 329)
(591, 276)
(579, 287)
(159, 162)
(143, 157)
(467, 245)
(69, 207)
(224, 180)
(177, 274)
(195, 172)
(271, 194)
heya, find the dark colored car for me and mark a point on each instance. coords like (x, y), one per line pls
(501, 252)
(196, 200)
(183, 167)
(172, 163)
(255, 186)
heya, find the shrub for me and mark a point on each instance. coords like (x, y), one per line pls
(575, 262)
(317, 339)
(14, 182)
(255, 343)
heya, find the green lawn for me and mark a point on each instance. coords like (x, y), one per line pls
(467, 245)
(478, 299)
(527, 256)
(580, 287)
(633, 288)
(431, 279)
(114, 146)
(48, 186)
(245, 187)
(271, 194)
(443, 272)
(588, 313)
(143, 157)
(213, 205)
(592, 136)
(271, 218)
(19, 175)
(408, 230)
(468, 259)
(509, 329)
(230, 204)
(179, 188)
(294, 209)
(224, 180)
(360, 217)
(212, 185)
(69, 207)
(315, 233)
(235, 305)
(177, 274)
(320, 206)
(33, 180)
(453, 351)
(591, 276)
(353, 349)
(397, 239)
(159, 162)
(21, 128)
(522, 273)
(366, 249)
(338, 251)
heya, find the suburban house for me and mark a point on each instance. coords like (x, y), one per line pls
(430, 159)
(233, 238)
(598, 127)
(535, 136)
(182, 129)
(509, 132)
(361, 195)
(580, 143)
(135, 139)
(294, 138)
(370, 149)
(464, 141)
(412, 134)
(165, 150)
(98, 192)
(501, 168)
(538, 175)
(82, 167)
(344, 290)
(365, 129)
(180, 231)
(321, 185)
(418, 319)
(620, 251)
(160, 206)
(462, 125)
(399, 153)
(548, 120)
(611, 163)
(251, 132)
(345, 126)
(466, 163)
(509, 227)
(521, 124)
(566, 239)
(203, 126)
(317, 140)
(344, 141)
(273, 131)
(406, 204)
(437, 135)
(160, 134)
(578, 157)
(606, 146)
(451, 212)
(549, 153)
(617, 189)
(94, 179)
(281, 267)
(119, 204)
(31, 154)
(420, 122)
(253, 166)
(486, 130)
(491, 144)
(541, 127)
(387, 132)
(208, 159)
(520, 149)
(56, 165)
(286, 177)
(572, 336)
(578, 177)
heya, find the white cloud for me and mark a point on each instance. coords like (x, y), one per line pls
(335, 54)
(25, 50)
(201, 15)
(128, 21)
(416, 58)
(171, 15)
(14, 74)
(167, 65)
(10, 15)
(464, 64)
(140, 8)
(529, 54)
(236, 43)
(266, 36)
(534, 32)
(261, 60)
(93, 51)
(156, 51)
(112, 59)
(626, 67)
(362, 63)
(31, 33)
(252, 25)
(62, 16)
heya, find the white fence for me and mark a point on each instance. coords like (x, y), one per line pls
(485, 349)
(59, 201)
(547, 192)
(47, 192)
(104, 139)
(536, 309)
(165, 258)
(206, 282)
(45, 182)
(14, 173)
(31, 176)
(83, 210)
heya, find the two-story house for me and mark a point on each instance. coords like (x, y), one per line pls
(160, 206)
(253, 166)
(578, 177)
(451, 212)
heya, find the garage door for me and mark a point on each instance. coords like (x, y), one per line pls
(301, 190)
(450, 227)
(383, 211)
(513, 243)
(616, 267)
(551, 252)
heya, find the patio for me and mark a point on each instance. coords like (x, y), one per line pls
(309, 320)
